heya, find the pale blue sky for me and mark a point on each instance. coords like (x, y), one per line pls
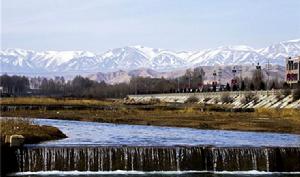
(99, 25)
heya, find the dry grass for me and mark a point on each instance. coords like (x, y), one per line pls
(32, 133)
(201, 116)
(53, 101)
(278, 113)
(260, 120)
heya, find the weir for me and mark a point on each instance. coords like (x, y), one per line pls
(148, 158)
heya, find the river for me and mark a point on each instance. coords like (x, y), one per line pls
(103, 149)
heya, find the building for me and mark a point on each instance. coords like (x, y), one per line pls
(292, 71)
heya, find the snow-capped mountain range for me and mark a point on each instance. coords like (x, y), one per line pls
(19, 61)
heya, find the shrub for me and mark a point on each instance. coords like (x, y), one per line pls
(154, 100)
(226, 98)
(216, 100)
(296, 94)
(206, 99)
(286, 92)
(192, 99)
(249, 97)
(280, 96)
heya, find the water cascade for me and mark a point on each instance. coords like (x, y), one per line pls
(151, 158)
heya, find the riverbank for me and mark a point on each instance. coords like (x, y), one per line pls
(201, 116)
(32, 133)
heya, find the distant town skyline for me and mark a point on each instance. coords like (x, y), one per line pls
(175, 25)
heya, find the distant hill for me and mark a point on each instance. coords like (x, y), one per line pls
(276, 72)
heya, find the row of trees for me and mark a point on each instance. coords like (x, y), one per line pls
(191, 81)
(82, 87)
(16, 85)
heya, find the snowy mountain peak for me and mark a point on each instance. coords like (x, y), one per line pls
(65, 56)
(282, 50)
(292, 41)
(17, 51)
(136, 57)
(236, 48)
(147, 51)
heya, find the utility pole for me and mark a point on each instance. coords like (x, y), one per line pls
(233, 82)
(189, 82)
(190, 75)
(178, 85)
(135, 87)
(258, 68)
(241, 72)
(215, 82)
(234, 71)
(268, 74)
(220, 75)
(241, 75)
(215, 75)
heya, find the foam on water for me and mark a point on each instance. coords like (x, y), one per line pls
(112, 149)
(254, 172)
(122, 172)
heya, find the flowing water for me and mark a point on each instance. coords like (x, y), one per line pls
(161, 174)
(92, 133)
(101, 149)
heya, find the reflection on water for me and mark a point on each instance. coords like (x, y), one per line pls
(137, 135)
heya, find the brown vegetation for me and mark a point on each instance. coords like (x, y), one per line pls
(286, 92)
(249, 97)
(31, 132)
(226, 98)
(179, 115)
(296, 94)
(192, 99)
(54, 101)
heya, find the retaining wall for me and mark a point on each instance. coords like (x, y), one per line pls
(265, 99)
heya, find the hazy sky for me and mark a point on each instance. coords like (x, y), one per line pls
(99, 25)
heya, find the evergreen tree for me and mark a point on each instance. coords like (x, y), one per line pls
(228, 87)
(243, 85)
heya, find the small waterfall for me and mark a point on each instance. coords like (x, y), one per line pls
(177, 158)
